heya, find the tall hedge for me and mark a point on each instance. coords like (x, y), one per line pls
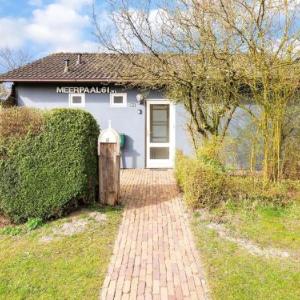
(42, 174)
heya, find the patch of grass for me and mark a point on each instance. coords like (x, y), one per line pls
(272, 226)
(232, 272)
(14, 230)
(11, 230)
(34, 223)
(70, 267)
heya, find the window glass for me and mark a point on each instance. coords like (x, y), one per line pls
(76, 99)
(159, 118)
(118, 99)
(159, 153)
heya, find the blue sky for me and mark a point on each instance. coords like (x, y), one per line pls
(43, 26)
(40, 27)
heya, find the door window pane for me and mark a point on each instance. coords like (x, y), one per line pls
(160, 115)
(159, 123)
(160, 132)
(159, 153)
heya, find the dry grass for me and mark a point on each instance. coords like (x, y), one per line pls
(19, 121)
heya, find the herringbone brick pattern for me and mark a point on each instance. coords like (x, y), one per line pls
(154, 255)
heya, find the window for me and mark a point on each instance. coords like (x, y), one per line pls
(77, 100)
(118, 100)
(159, 153)
(159, 123)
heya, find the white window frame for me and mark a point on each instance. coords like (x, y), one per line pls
(124, 104)
(82, 104)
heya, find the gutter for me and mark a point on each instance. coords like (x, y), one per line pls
(67, 80)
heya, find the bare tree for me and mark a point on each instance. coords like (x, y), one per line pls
(185, 52)
(12, 59)
(209, 55)
(269, 34)
(9, 60)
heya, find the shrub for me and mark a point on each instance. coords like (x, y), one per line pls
(18, 122)
(254, 190)
(206, 184)
(291, 157)
(34, 223)
(42, 175)
(203, 183)
(181, 168)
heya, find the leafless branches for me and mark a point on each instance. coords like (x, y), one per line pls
(12, 59)
(211, 56)
(9, 60)
(185, 51)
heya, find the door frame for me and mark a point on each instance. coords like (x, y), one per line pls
(161, 163)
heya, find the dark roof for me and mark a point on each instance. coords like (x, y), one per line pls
(101, 67)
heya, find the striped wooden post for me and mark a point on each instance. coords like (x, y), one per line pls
(109, 173)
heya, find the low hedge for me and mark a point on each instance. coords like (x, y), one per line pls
(206, 183)
(43, 173)
(203, 182)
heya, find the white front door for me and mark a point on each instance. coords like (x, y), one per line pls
(160, 142)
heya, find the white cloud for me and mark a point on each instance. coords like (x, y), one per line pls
(81, 46)
(59, 26)
(11, 32)
(76, 4)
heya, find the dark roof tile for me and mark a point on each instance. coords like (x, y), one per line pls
(94, 67)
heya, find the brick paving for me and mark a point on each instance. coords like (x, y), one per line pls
(154, 255)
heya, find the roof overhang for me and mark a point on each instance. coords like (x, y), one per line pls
(66, 80)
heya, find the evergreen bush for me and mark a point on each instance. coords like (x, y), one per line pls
(43, 173)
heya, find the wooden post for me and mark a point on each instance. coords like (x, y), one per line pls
(109, 173)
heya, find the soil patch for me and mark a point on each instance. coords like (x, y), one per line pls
(71, 228)
(74, 225)
(4, 221)
(98, 216)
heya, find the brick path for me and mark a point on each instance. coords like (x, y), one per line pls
(154, 255)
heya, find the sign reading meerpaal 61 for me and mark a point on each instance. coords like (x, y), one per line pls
(84, 90)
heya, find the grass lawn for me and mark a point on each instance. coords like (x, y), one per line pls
(48, 264)
(234, 273)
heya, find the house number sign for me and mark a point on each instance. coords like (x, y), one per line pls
(84, 90)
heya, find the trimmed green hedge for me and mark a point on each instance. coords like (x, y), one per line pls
(43, 174)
